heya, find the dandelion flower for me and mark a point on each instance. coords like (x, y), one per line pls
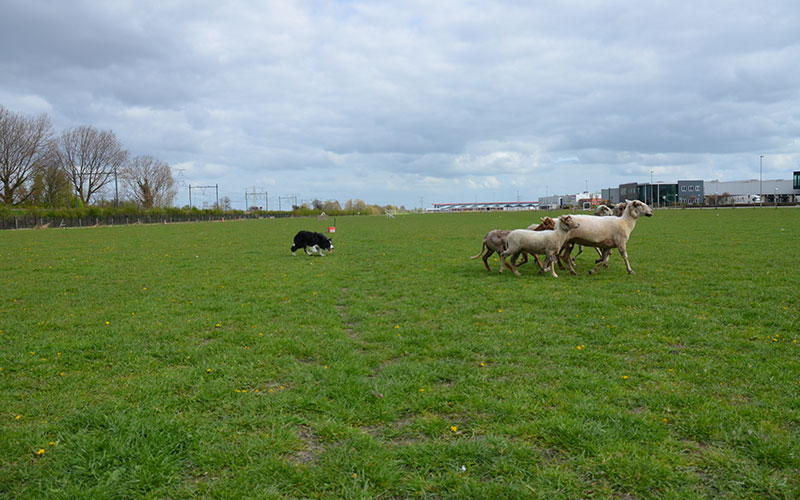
(454, 428)
(19, 417)
(40, 452)
(208, 370)
(624, 377)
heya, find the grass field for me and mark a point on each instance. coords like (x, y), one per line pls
(204, 360)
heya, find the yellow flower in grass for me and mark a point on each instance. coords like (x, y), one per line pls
(40, 452)
(624, 377)
(454, 428)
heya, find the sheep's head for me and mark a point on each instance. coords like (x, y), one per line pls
(603, 211)
(566, 223)
(619, 208)
(638, 209)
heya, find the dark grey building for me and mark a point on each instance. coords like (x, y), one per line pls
(691, 192)
(629, 191)
(610, 195)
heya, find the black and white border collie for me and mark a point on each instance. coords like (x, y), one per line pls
(316, 242)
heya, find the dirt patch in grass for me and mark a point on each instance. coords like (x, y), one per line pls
(311, 447)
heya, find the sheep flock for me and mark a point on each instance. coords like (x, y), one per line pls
(608, 228)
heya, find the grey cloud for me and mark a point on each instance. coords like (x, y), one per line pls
(398, 101)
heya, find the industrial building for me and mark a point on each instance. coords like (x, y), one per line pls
(690, 192)
(698, 192)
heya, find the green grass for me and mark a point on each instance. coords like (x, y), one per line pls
(204, 360)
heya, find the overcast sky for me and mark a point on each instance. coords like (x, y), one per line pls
(410, 102)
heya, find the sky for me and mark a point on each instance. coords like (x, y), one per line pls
(417, 102)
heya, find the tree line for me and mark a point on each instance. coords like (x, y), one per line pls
(42, 168)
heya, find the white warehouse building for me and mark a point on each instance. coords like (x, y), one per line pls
(751, 191)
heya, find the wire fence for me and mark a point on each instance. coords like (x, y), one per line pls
(37, 222)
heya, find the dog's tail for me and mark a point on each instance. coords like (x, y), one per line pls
(483, 247)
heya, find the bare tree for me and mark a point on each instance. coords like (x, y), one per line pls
(149, 181)
(24, 142)
(90, 158)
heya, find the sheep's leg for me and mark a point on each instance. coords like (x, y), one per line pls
(603, 262)
(601, 255)
(580, 250)
(511, 264)
(542, 267)
(514, 266)
(503, 263)
(568, 259)
(489, 252)
(563, 253)
(524, 259)
(551, 260)
(623, 252)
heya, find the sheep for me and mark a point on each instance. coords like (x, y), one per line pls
(539, 242)
(600, 211)
(607, 233)
(495, 241)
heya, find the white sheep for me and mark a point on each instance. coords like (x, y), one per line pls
(539, 242)
(600, 211)
(607, 233)
(495, 241)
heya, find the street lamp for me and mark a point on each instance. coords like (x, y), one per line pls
(761, 180)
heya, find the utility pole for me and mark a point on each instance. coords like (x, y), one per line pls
(761, 181)
(215, 186)
(255, 195)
